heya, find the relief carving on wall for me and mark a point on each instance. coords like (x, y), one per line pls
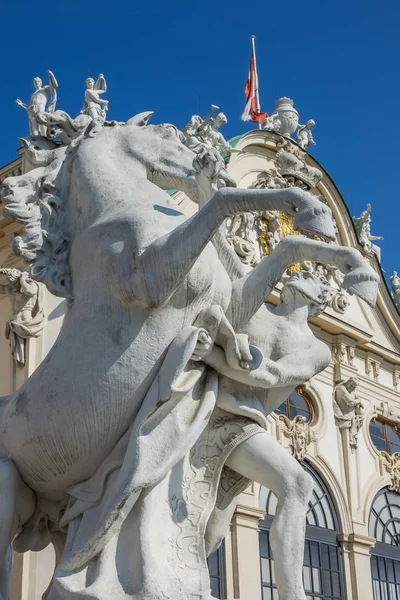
(391, 463)
(299, 434)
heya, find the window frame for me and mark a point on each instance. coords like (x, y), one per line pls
(386, 423)
(300, 391)
(220, 552)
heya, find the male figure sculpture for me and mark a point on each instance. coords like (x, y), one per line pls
(93, 105)
(38, 103)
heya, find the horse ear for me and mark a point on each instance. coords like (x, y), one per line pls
(141, 119)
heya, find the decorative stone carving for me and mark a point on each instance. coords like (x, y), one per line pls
(38, 102)
(28, 317)
(204, 133)
(304, 136)
(243, 237)
(395, 281)
(298, 432)
(94, 106)
(372, 367)
(173, 330)
(391, 463)
(363, 229)
(396, 377)
(339, 353)
(284, 120)
(348, 409)
(294, 169)
(351, 355)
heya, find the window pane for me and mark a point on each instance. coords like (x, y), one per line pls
(393, 448)
(267, 593)
(281, 410)
(378, 442)
(264, 546)
(314, 554)
(326, 581)
(376, 429)
(316, 580)
(390, 570)
(334, 558)
(265, 571)
(296, 400)
(325, 556)
(335, 584)
(307, 579)
(392, 435)
(307, 553)
(374, 567)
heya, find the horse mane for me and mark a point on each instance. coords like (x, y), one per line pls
(34, 200)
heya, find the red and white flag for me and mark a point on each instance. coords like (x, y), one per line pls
(252, 108)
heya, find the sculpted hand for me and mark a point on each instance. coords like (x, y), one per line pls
(203, 347)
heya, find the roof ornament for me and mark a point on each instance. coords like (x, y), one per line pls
(395, 281)
(363, 229)
(285, 121)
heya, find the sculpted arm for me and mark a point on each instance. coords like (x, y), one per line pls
(287, 371)
(175, 253)
(250, 291)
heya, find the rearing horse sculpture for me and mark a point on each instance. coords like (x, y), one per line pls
(113, 422)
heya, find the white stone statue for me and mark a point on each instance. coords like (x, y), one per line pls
(284, 120)
(242, 235)
(299, 434)
(28, 318)
(348, 409)
(391, 463)
(304, 135)
(395, 282)
(273, 228)
(128, 446)
(93, 105)
(37, 105)
(204, 133)
(363, 229)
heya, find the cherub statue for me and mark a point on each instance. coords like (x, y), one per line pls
(363, 229)
(348, 409)
(204, 133)
(395, 281)
(304, 136)
(274, 229)
(242, 236)
(93, 105)
(27, 318)
(38, 104)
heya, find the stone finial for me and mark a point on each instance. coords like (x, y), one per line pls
(28, 316)
(298, 432)
(348, 410)
(285, 118)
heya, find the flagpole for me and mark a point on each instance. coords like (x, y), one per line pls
(253, 37)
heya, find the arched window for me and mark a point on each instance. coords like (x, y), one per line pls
(322, 567)
(384, 526)
(385, 435)
(216, 568)
(297, 404)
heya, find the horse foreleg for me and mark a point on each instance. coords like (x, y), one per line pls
(250, 291)
(17, 503)
(162, 266)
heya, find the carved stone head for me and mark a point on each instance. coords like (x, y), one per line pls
(312, 286)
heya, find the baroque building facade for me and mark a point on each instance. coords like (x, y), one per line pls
(343, 426)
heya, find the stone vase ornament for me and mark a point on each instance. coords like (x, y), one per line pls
(285, 118)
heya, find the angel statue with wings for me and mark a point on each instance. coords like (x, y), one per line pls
(94, 106)
(38, 102)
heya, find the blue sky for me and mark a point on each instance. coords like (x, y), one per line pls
(339, 61)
